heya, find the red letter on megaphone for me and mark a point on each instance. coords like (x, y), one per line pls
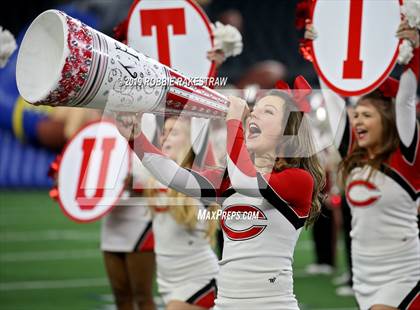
(88, 144)
(162, 18)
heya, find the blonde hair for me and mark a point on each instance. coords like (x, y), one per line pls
(182, 208)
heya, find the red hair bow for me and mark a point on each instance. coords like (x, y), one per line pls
(389, 88)
(301, 89)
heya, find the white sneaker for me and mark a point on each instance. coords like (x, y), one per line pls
(315, 269)
(344, 290)
(342, 279)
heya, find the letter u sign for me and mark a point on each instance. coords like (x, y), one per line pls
(108, 145)
(92, 171)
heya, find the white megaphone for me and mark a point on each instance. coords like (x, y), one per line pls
(63, 62)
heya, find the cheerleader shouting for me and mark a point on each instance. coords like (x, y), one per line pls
(262, 178)
(381, 173)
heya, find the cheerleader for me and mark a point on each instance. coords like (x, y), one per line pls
(281, 191)
(381, 174)
(186, 264)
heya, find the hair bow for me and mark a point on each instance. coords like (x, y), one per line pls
(301, 89)
(389, 88)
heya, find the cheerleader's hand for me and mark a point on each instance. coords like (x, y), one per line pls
(216, 55)
(408, 33)
(238, 109)
(129, 124)
(310, 32)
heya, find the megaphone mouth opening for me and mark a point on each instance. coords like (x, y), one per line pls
(41, 56)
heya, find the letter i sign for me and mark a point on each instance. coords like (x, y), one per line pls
(177, 33)
(92, 172)
(356, 48)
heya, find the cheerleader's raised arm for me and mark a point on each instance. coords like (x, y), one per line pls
(201, 185)
(336, 107)
(406, 96)
(405, 102)
(338, 119)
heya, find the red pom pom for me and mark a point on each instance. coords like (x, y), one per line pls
(305, 49)
(54, 193)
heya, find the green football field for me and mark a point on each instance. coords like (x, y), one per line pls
(49, 262)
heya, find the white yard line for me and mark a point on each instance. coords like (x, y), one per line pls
(53, 284)
(27, 256)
